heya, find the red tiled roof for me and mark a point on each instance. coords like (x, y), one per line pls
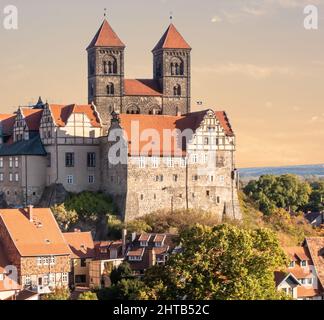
(81, 244)
(142, 87)
(106, 37)
(301, 253)
(172, 39)
(144, 237)
(40, 237)
(61, 113)
(136, 252)
(301, 273)
(316, 249)
(32, 117)
(303, 292)
(161, 123)
(159, 238)
(7, 122)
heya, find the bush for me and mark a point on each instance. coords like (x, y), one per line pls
(88, 296)
(58, 294)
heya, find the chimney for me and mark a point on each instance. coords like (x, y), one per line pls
(133, 236)
(30, 212)
(124, 241)
(152, 258)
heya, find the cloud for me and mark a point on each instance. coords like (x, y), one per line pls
(249, 70)
(216, 19)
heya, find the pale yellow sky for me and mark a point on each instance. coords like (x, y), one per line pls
(253, 59)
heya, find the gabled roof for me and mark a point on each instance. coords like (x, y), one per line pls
(7, 122)
(31, 147)
(300, 253)
(39, 237)
(62, 113)
(81, 244)
(162, 124)
(316, 249)
(280, 277)
(106, 37)
(142, 87)
(32, 117)
(172, 39)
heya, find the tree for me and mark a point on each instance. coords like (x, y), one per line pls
(65, 218)
(316, 200)
(124, 271)
(88, 296)
(58, 294)
(221, 263)
(286, 191)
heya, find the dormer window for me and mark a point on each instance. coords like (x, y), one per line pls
(292, 264)
(303, 263)
(144, 243)
(135, 258)
(158, 244)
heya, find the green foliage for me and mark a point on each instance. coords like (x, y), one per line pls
(58, 294)
(90, 205)
(221, 263)
(316, 200)
(124, 271)
(115, 227)
(287, 191)
(88, 296)
(65, 218)
(177, 221)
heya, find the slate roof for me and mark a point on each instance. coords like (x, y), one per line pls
(31, 147)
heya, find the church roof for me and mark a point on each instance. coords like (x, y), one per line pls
(142, 87)
(172, 39)
(168, 146)
(32, 117)
(106, 37)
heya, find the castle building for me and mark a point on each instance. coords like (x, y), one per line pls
(49, 149)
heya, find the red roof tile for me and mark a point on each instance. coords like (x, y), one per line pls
(32, 117)
(160, 124)
(106, 37)
(61, 113)
(81, 244)
(39, 237)
(142, 87)
(172, 39)
(7, 122)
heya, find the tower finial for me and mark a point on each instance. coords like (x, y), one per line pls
(105, 13)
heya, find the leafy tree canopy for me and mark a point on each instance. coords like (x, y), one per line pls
(58, 294)
(88, 296)
(220, 263)
(124, 271)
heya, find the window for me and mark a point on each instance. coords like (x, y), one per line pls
(310, 281)
(207, 193)
(10, 177)
(175, 178)
(158, 244)
(195, 178)
(211, 178)
(10, 162)
(27, 280)
(65, 277)
(1, 162)
(110, 89)
(159, 178)
(16, 162)
(91, 160)
(155, 162)
(222, 179)
(81, 278)
(69, 159)
(52, 260)
(16, 177)
(217, 141)
(142, 162)
(52, 278)
(177, 90)
(183, 162)
(1, 177)
(144, 244)
(45, 280)
(91, 179)
(1, 277)
(303, 281)
(303, 263)
(218, 200)
(170, 162)
(83, 263)
(292, 264)
(206, 141)
(49, 159)
(142, 197)
(70, 179)
(135, 258)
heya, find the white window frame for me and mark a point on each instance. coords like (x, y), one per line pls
(65, 277)
(170, 162)
(155, 162)
(183, 162)
(39, 261)
(10, 177)
(142, 162)
(10, 162)
(16, 162)
(27, 280)
(135, 258)
(303, 263)
(1, 162)
(17, 177)
(91, 179)
(194, 158)
(144, 243)
(1, 177)
(70, 179)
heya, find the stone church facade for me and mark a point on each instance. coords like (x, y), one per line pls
(170, 158)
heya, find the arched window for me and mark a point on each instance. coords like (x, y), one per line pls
(110, 89)
(155, 110)
(177, 67)
(133, 110)
(110, 65)
(177, 90)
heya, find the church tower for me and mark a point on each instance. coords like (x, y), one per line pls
(106, 72)
(171, 67)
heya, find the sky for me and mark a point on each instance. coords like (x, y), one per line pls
(252, 58)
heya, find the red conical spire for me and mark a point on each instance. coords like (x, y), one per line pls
(106, 37)
(172, 39)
